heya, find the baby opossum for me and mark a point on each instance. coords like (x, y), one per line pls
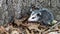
(42, 15)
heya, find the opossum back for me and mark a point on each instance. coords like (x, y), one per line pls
(47, 17)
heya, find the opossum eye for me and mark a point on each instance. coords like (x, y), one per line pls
(33, 17)
(38, 14)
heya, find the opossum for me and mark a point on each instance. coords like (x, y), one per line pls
(42, 15)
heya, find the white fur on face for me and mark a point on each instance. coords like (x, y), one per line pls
(33, 17)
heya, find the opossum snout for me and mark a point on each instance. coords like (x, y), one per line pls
(34, 17)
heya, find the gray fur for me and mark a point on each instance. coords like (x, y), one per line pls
(44, 15)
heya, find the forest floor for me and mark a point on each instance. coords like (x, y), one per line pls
(22, 26)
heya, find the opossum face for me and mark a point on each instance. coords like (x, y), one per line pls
(35, 16)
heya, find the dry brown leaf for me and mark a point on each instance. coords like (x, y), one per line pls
(2, 29)
(27, 31)
(32, 32)
(18, 22)
(15, 30)
(34, 26)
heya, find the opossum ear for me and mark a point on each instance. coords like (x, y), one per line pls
(31, 10)
(40, 13)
